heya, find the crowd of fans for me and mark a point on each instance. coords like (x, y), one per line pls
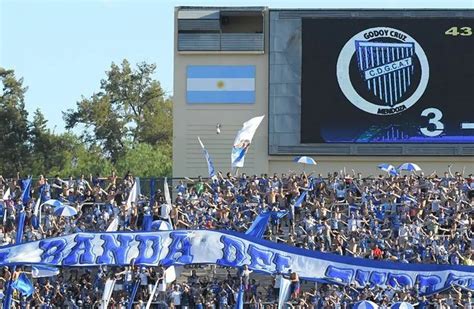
(409, 218)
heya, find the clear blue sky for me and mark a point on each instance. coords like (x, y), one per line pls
(63, 48)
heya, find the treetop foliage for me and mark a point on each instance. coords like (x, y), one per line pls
(126, 125)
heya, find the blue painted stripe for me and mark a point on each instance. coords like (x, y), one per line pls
(247, 97)
(221, 71)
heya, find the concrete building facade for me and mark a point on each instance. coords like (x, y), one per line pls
(265, 39)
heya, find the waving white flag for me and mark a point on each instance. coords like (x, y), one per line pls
(6, 196)
(243, 140)
(284, 292)
(134, 194)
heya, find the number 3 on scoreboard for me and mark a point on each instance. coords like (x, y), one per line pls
(462, 31)
(434, 115)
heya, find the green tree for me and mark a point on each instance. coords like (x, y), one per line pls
(14, 126)
(64, 154)
(40, 140)
(130, 107)
(79, 159)
(146, 160)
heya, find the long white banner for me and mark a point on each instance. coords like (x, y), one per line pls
(233, 249)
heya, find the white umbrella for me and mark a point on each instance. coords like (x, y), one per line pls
(305, 160)
(54, 203)
(160, 225)
(65, 211)
(402, 305)
(411, 167)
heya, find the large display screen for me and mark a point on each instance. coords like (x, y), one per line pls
(387, 80)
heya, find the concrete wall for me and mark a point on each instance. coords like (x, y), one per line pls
(192, 120)
(285, 81)
(368, 165)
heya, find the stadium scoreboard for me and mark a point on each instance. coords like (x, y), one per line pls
(373, 80)
(379, 80)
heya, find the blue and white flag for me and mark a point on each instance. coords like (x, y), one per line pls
(240, 299)
(26, 190)
(147, 222)
(220, 84)
(23, 285)
(133, 293)
(152, 191)
(276, 215)
(388, 168)
(20, 226)
(300, 199)
(210, 165)
(243, 140)
(259, 225)
(40, 271)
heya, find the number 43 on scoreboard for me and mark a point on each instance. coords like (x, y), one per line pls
(462, 31)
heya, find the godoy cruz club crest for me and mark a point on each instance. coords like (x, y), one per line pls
(382, 71)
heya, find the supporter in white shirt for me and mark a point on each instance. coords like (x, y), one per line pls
(403, 235)
(165, 211)
(309, 222)
(143, 276)
(176, 296)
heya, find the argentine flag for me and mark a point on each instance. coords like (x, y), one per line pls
(220, 84)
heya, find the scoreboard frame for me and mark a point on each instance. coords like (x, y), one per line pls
(284, 106)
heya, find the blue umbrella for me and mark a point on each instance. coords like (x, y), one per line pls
(402, 305)
(305, 160)
(160, 225)
(65, 211)
(365, 305)
(411, 167)
(389, 168)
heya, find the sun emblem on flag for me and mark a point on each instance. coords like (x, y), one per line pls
(220, 84)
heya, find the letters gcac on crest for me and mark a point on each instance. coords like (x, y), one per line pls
(392, 68)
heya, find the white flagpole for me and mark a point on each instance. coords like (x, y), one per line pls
(113, 226)
(150, 299)
(109, 288)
